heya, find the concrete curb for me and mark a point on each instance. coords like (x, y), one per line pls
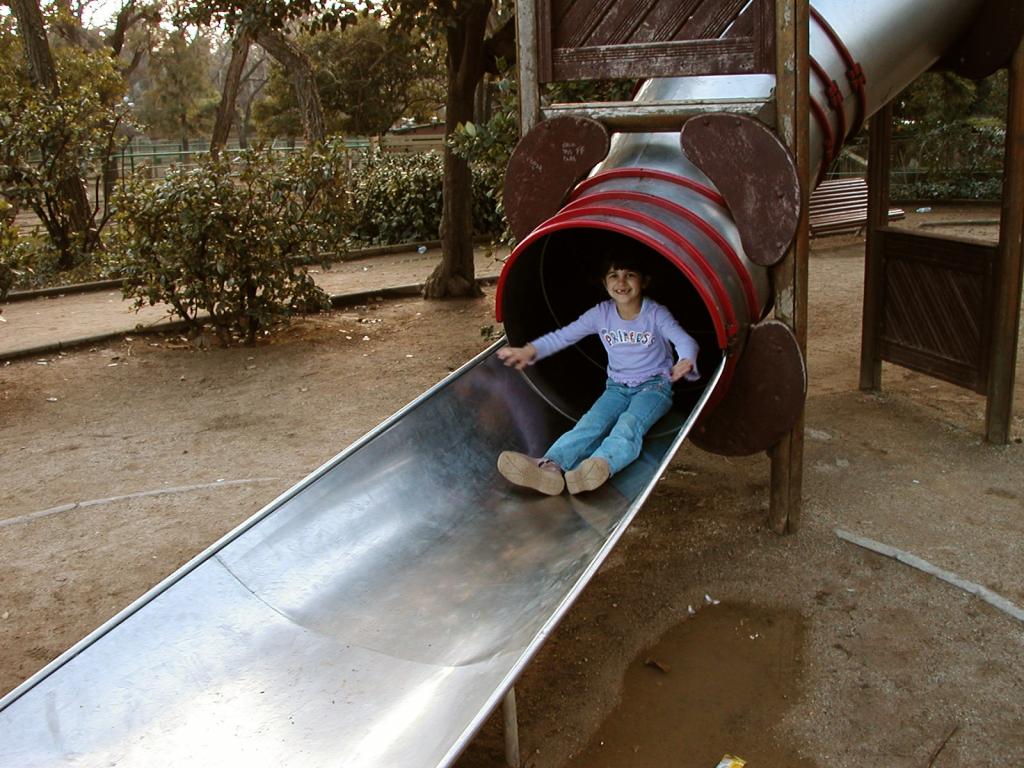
(338, 300)
(62, 290)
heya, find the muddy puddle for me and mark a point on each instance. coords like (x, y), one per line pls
(714, 685)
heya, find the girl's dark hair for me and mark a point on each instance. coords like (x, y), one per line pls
(630, 261)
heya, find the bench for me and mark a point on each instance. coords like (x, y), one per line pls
(841, 205)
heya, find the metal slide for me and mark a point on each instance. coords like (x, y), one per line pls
(373, 615)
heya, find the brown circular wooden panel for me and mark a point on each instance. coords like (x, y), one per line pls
(765, 399)
(545, 166)
(755, 174)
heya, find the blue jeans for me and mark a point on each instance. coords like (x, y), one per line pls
(614, 427)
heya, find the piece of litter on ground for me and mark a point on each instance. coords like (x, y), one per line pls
(111, 365)
(755, 636)
(658, 665)
(51, 399)
(5, 614)
(689, 610)
(408, 355)
(710, 600)
(730, 761)
(366, 338)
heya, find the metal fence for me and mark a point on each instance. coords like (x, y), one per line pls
(159, 156)
(154, 159)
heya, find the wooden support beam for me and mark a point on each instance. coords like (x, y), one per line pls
(879, 160)
(527, 64)
(790, 275)
(1006, 319)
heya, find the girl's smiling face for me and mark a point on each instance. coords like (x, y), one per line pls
(625, 286)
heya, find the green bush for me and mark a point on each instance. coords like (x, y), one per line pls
(958, 160)
(10, 257)
(50, 143)
(956, 187)
(224, 238)
(398, 199)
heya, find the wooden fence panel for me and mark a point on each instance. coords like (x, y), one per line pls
(936, 307)
(599, 39)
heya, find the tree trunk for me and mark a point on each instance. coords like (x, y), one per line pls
(72, 198)
(456, 275)
(243, 126)
(300, 71)
(65, 25)
(186, 148)
(226, 109)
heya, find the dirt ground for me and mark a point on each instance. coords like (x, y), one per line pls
(703, 634)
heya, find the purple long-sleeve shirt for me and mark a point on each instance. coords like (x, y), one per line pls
(638, 349)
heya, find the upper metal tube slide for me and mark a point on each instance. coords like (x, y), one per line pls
(648, 198)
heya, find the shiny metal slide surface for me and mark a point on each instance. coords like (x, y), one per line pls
(371, 616)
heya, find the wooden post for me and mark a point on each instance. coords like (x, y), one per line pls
(879, 160)
(511, 727)
(1006, 312)
(527, 64)
(790, 275)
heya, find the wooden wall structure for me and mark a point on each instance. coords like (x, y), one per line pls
(943, 306)
(562, 40)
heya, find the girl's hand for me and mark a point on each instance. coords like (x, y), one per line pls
(517, 357)
(680, 369)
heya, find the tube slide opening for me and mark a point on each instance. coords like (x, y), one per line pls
(552, 279)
